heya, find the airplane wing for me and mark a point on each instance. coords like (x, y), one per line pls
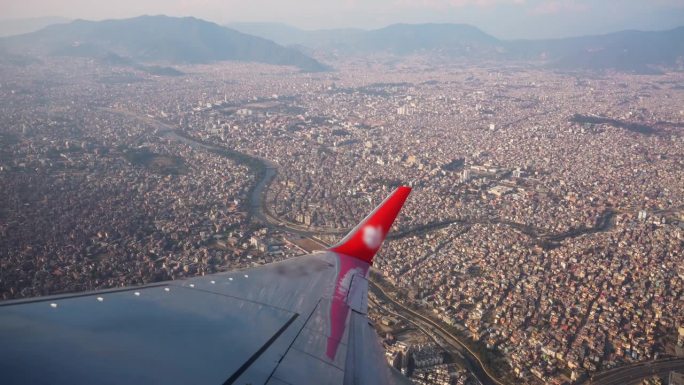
(299, 321)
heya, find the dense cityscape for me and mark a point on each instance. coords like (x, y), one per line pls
(545, 230)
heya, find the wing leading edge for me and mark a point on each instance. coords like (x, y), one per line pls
(298, 321)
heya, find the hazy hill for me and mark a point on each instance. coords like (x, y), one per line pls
(282, 34)
(455, 39)
(631, 51)
(156, 39)
(161, 39)
(399, 39)
(291, 36)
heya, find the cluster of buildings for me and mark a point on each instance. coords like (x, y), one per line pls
(96, 198)
(564, 240)
(594, 302)
(554, 241)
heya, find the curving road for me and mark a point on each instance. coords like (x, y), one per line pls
(626, 375)
(257, 204)
(259, 212)
(477, 367)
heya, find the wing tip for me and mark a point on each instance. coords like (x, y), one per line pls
(364, 241)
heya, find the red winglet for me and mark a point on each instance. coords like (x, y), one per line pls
(366, 238)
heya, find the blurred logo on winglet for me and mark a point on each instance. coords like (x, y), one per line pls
(372, 236)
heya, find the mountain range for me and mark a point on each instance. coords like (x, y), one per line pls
(155, 39)
(629, 51)
(153, 42)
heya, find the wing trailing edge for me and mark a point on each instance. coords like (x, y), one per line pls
(364, 241)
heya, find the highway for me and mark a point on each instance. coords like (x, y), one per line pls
(476, 366)
(634, 374)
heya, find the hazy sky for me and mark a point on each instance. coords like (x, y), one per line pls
(502, 18)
